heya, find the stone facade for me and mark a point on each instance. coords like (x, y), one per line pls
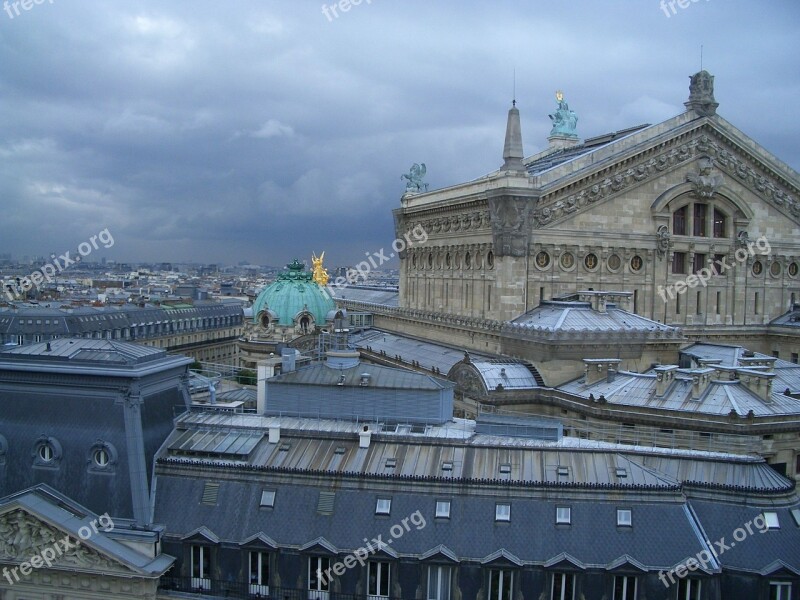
(642, 213)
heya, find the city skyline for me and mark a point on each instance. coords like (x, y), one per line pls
(274, 130)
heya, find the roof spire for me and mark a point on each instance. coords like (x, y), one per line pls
(512, 150)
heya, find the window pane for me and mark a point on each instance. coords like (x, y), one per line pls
(700, 211)
(679, 221)
(433, 583)
(443, 508)
(719, 224)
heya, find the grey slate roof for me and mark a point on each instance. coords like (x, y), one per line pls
(511, 374)
(787, 374)
(554, 315)
(427, 354)
(380, 377)
(85, 350)
(369, 295)
(539, 164)
(661, 536)
(720, 397)
(758, 551)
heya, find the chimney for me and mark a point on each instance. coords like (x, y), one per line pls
(264, 370)
(664, 377)
(274, 435)
(288, 357)
(763, 363)
(700, 380)
(758, 382)
(512, 150)
(598, 369)
(364, 437)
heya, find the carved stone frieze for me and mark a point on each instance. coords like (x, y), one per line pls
(719, 160)
(22, 537)
(511, 224)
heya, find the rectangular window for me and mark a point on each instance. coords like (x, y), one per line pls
(439, 583)
(771, 520)
(267, 499)
(689, 589)
(502, 512)
(679, 263)
(796, 511)
(563, 587)
(624, 588)
(489, 297)
(636, 302)
(719, 224)
(378, 579)
(780, 590)
(443, 509)
(700, 212)
(201, 567)
(756, 302)
(794, 357)
(383, 506)
(678, 304)
(624, 517)
(699, 303)
(698, 263)
(259, 573)
(563, 515)
(318, 575)
(500, 584)
(679, 221)
(719, 301)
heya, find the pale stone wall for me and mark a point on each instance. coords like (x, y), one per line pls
(608, 240)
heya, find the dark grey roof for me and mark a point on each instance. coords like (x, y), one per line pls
(79, 350)
(380, 377)
(310, 445)
(427, 354)
(369, 295)
(661, 536)
(754, 551)
(579, 316)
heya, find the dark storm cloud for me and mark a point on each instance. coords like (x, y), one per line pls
(260, 131)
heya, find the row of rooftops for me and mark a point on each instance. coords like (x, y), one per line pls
(724, 380)
(452, 453)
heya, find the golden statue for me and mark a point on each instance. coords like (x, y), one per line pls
(320, 273)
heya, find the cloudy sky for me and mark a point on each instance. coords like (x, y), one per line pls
(263, 130)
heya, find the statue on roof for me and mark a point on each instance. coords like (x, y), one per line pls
(564, 120)
(701, 94)
(414, 177)
(320, 273)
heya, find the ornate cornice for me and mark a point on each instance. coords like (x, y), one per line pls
(653, 162)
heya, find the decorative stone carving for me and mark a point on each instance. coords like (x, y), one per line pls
(22, 537)
(663, 241)
(701, 94)
(742, 239)
(707, 181)
(510, 218)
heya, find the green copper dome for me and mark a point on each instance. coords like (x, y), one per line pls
(291, 296)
